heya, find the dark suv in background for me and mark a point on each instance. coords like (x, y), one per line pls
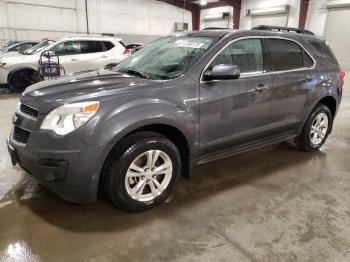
(183, 100)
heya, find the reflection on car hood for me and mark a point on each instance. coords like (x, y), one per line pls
(87, 85)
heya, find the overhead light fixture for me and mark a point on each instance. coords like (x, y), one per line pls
(203, 2)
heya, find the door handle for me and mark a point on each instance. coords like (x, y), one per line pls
(104, 56)
(74, 59)
(307, 78)
(261, 88)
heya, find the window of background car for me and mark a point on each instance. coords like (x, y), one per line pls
(285, 55)
(15, 48)
(66, 48)
(39, 47)
(246, 54)
(107, 45)
(87, 47)
(167, 57)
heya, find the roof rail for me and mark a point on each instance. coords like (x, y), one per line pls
(282, 28)
(215, 28)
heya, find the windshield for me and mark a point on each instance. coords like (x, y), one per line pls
(167, 57)
(37, 48)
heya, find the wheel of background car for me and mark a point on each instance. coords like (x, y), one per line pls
(316, 129)
(141, 172)
(23, 78)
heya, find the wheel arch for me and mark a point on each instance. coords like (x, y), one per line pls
(328, 101)
(331, 103)
(171, 132)
(19, 69)
(174, 134)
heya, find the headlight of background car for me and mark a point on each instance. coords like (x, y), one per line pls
(65, 119)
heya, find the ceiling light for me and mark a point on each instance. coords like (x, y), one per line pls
(203, 2)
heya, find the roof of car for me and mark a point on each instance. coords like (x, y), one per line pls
(218, 33)
(90, 37)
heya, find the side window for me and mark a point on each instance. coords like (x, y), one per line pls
(87, 47)
(16, 48)
(66, 48)
(247, 54)
(285, 54)
(308, 62)
(107, 45)
(24, 47)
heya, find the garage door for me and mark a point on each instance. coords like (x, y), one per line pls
(337, 34)
(277, 20)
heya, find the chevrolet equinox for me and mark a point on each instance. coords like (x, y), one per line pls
(183, 100)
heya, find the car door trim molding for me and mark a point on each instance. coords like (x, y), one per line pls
(251, 74)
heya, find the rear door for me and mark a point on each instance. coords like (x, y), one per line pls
(92, 55)
(292, 80)
(235, 111)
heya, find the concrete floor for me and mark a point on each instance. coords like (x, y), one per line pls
(275, 204)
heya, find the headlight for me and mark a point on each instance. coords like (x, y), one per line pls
(65, 119)
(2, 65)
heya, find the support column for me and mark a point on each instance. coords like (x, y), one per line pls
(236, 14)
(195, 18)
(304, 5)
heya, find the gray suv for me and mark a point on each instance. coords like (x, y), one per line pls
(183, 100)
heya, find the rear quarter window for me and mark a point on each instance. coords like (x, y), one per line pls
(107, 45)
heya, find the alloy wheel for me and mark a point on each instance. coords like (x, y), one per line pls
(148, 175)
(319, 128)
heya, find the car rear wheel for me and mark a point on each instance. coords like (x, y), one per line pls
(142, 171)
(316, 129)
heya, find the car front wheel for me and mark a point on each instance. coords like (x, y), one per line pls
(142, 171)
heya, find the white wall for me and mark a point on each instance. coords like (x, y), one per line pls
(228, 22)
(133, 20)
(246, 21)
(316, 17)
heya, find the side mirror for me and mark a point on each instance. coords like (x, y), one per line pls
(222, 72)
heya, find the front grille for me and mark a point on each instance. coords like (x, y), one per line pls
(20, 135)
(27, 110)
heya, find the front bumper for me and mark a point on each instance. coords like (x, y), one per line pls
(63, 164)
(3, 75)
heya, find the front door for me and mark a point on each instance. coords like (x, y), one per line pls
(235, 111)
(69, 54)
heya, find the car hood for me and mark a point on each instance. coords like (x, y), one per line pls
(86, 85)
(8, 54)
(15, 57)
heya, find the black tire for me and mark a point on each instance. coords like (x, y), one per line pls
(22, 79)
(304, 140)
(121, 158)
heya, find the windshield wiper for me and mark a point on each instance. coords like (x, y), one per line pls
(136, 72)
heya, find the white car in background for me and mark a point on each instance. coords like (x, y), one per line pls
(76, 54)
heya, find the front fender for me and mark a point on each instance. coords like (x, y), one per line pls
(141, 113)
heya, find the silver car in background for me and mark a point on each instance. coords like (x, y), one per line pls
(76, 54)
